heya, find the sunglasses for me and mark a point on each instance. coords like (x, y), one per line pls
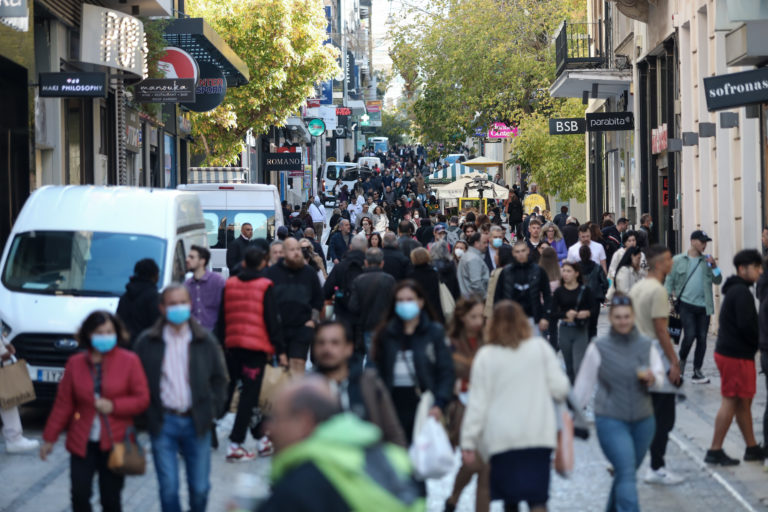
(621, 301)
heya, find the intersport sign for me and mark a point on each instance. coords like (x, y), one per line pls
(736, 89)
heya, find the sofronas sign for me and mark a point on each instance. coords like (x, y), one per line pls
(736, 89)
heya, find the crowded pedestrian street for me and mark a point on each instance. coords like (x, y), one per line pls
(383, 255)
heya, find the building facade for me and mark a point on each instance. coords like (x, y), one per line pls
(689, 163)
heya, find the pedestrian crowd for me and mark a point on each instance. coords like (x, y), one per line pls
(411, 315)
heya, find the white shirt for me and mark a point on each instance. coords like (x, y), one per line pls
(175, 392)
(317, 213)
(598, 252)
(586, 380)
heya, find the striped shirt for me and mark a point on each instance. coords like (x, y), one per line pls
(175, 392)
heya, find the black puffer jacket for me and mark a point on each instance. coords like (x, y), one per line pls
(738, 333)
(370, 297)
(429, 279)
(447, 272)
(432, 360)
(138, 306)
(528, 285)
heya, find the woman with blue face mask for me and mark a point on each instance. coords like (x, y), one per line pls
(102, 390)
(411, 355)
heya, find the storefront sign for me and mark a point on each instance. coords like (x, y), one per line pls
(501, 131)
(211, 88)
(316, 127)
(340, 132)
(165, 90)
(610, 121)
(113, 39)
(284, 162)
(736, 89)
(13, 8)
(132, 130)
(373, 107)
(313, 103)
(567, 126)
(176, 63)
(659, 139)
(73, 85)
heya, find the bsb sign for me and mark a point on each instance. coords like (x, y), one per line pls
(567, 126)
(736, 89)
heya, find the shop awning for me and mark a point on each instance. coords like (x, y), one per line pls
(196, 37)
(217, 175)
(573, 83)
(451, 172)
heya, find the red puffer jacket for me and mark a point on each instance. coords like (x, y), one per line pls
(123, 382)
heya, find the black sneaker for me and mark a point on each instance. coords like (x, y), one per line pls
(699, 378)
(719, 457)
(754, 453)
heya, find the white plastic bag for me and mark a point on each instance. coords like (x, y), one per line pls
(431, 453)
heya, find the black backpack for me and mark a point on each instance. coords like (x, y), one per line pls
(597, 283)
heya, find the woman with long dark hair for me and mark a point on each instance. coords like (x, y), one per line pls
(571, 306)
(510, 418)
(103, 389)
(594, 279)
(411, 355)
(427, 277)
(629, 271)
(465, 332)
(374, 240)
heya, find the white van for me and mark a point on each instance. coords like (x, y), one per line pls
(226, 206)
(347, 172)
(369, 162)
(72, 250)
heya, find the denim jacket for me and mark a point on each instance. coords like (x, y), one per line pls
(676, 279)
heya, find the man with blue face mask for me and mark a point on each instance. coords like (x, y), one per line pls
(184, 365)
(499, 254)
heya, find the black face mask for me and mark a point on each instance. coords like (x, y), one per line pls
(305, 252)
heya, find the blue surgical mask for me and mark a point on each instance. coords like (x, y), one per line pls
(407, 309)
(103, 342)
(178, 314)
(496, 242)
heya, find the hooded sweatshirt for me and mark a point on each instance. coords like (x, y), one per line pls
(138, 307)
(350, 456)
(738, 333)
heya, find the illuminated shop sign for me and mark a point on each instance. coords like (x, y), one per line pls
(113, 39)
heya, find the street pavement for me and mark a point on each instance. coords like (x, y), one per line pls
(31, 485)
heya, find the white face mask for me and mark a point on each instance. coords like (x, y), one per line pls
(459, 253)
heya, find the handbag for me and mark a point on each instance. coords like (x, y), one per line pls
(564, 458)
(275, 377)
(580, 322)
(447, 302)
(674, 323)
(126, 458)
(15, 384)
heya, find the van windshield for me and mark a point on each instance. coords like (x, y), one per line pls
(84, 263)
(334, 172)
(223, 226)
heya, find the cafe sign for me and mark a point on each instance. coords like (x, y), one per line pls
(736, 89)
(113, 39)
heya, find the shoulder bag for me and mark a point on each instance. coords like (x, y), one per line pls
(127, 457)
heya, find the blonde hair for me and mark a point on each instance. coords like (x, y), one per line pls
(420, 256)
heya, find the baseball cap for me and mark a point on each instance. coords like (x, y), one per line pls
(439, 228)
(700, 235)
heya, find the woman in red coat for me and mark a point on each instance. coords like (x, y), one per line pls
(102, 389)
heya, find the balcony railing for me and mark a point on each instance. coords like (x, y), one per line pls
(579, 46)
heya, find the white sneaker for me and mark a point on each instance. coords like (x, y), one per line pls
(662, 476)
(21, 445)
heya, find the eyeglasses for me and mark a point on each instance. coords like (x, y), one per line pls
(622, 300)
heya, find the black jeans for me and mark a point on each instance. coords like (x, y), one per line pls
(664, 413)
(248, 366)
(695, 326)
(81, 471)
(764, 367)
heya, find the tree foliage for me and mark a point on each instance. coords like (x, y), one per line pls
(281, 41)
(394, 125)
(469, 63)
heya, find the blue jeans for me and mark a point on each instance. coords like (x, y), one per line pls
(178, 435)
(695, 326)
(624, 444)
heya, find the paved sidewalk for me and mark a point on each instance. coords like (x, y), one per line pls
(30, 485)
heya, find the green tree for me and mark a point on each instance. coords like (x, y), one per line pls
(394, 125)
(469, 63)
(281, 41)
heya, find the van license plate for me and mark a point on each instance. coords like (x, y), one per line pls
(51, 375)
